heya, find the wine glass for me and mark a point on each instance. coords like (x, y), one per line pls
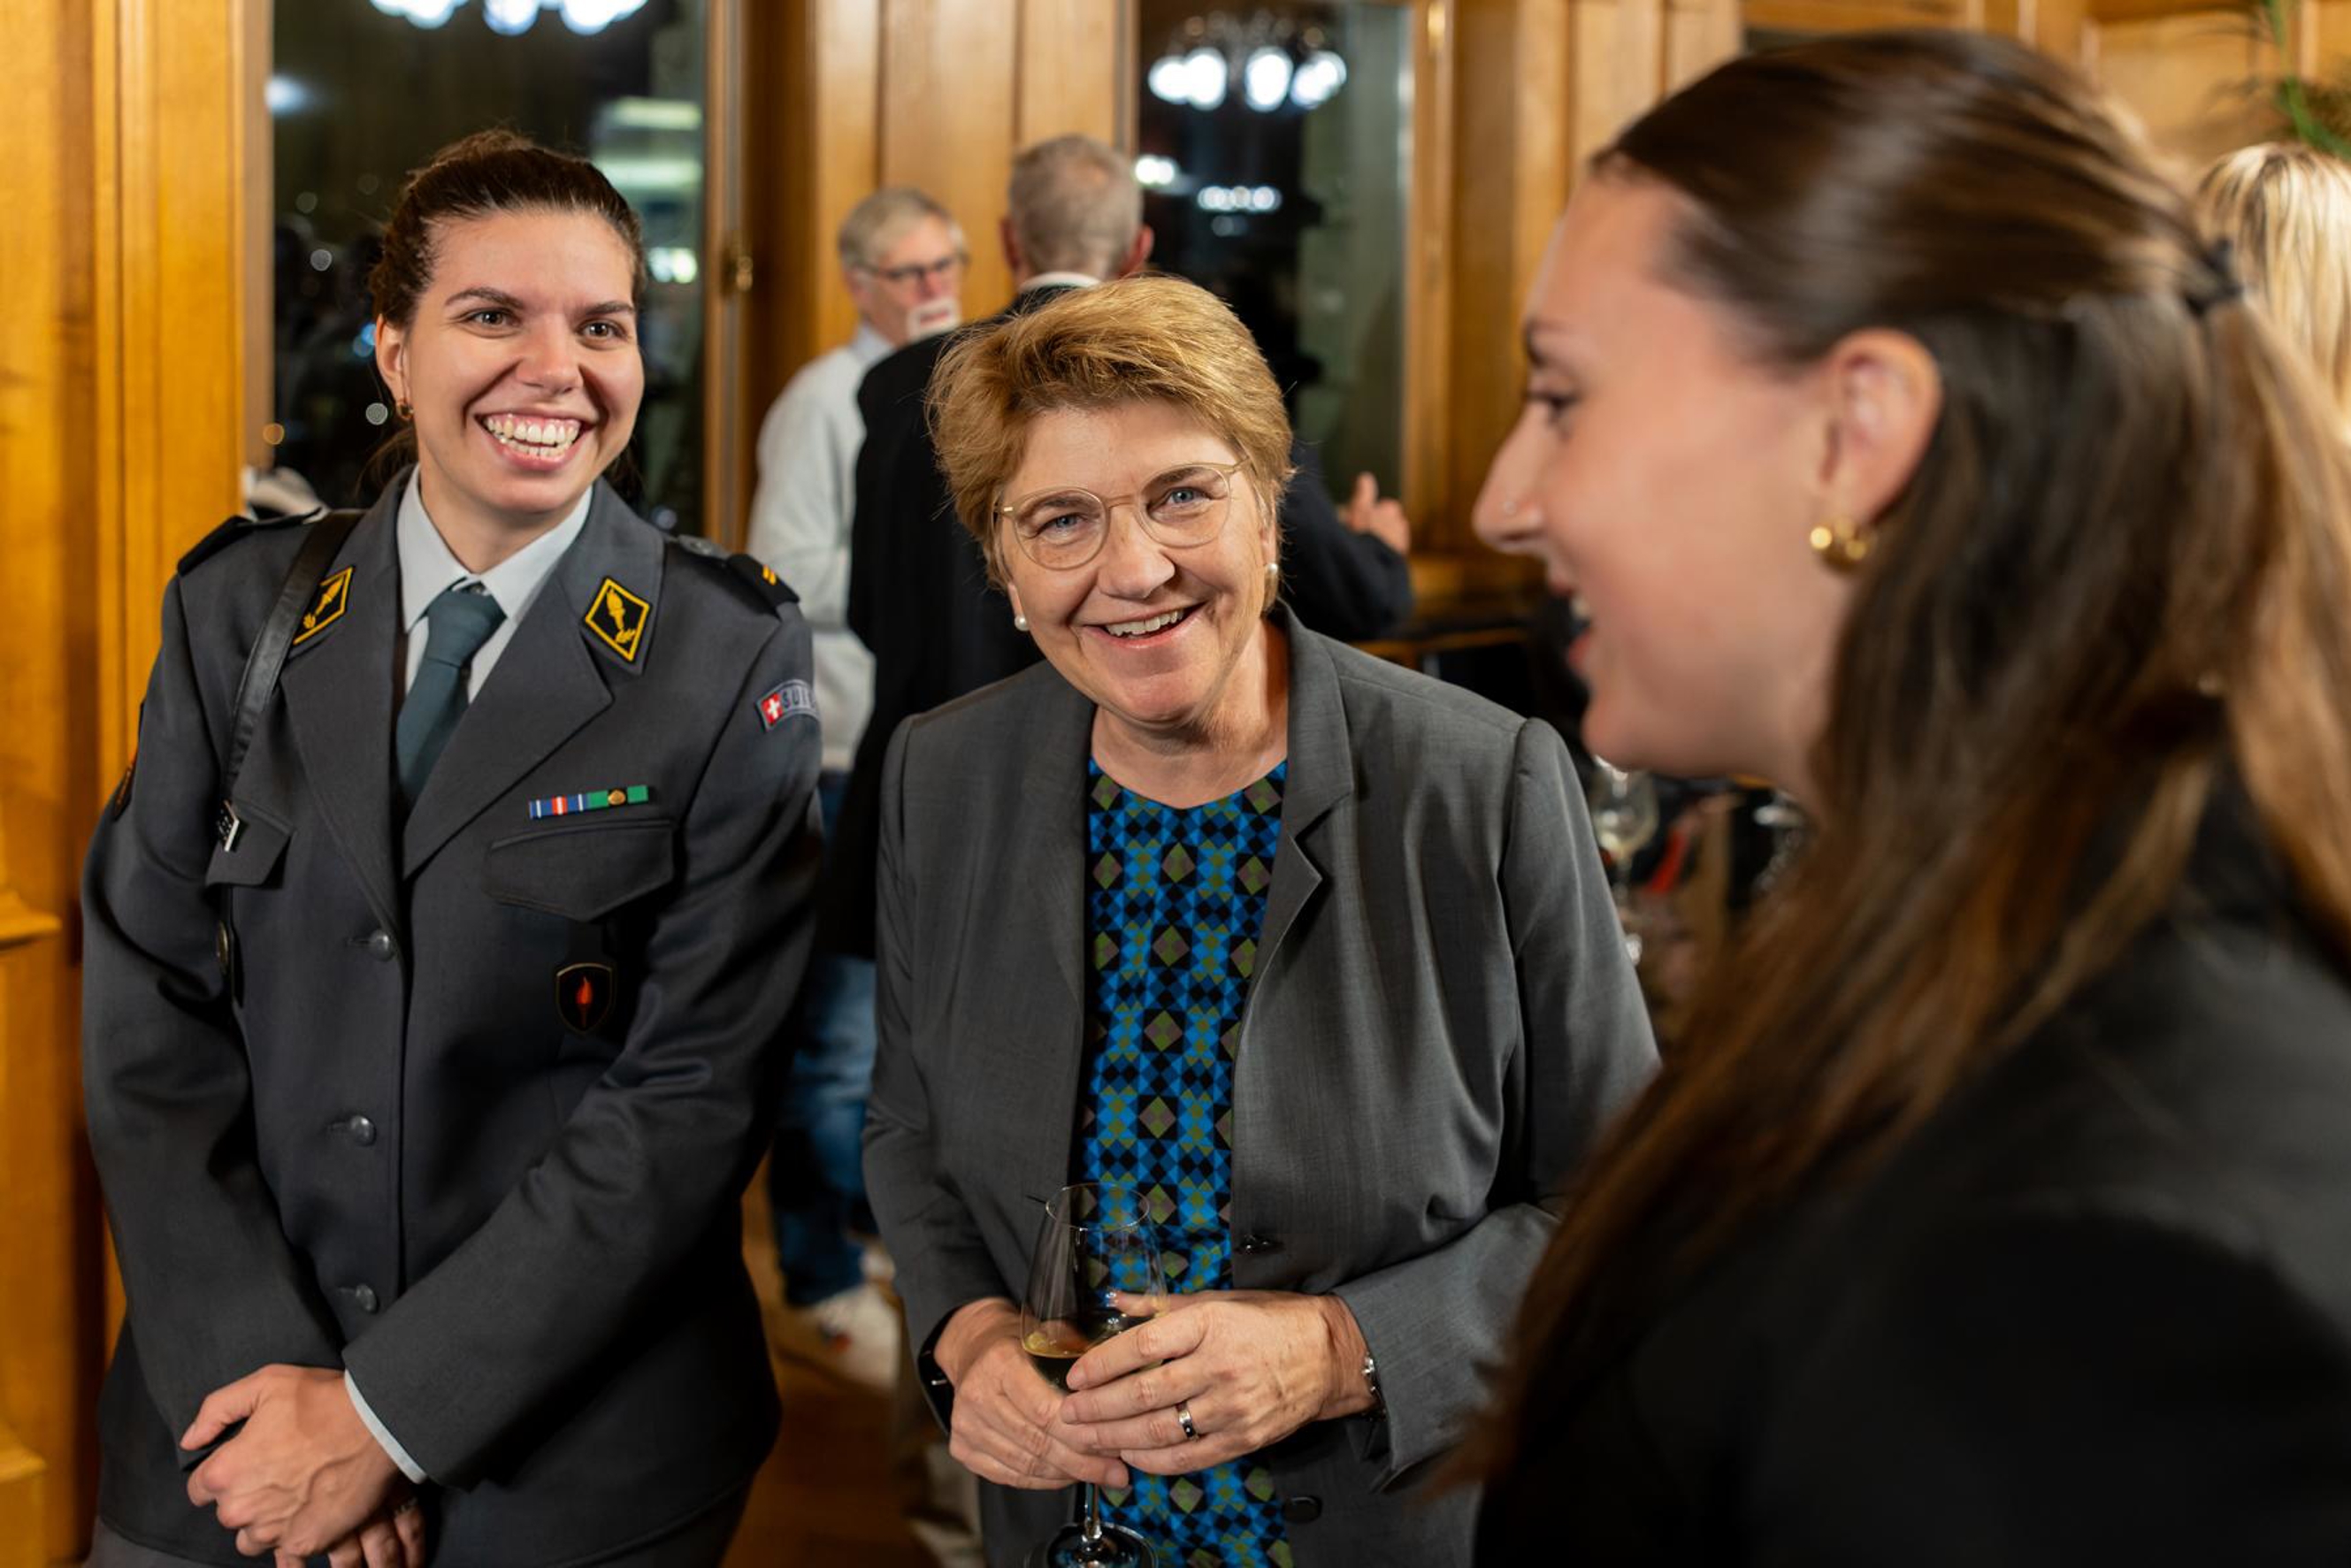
(1095, 1245)
(1624, 806)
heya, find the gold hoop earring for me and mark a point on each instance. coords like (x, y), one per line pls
(1840, 542)
(402, 407)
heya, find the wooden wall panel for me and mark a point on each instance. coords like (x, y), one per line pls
(946, 112)
(44, 276)
(122, 421)
(1076, 71)
(855, 94)
(2185, 75)
(1516, 126)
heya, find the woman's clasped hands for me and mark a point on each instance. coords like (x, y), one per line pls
(1007, 1427)
(1214, 1375)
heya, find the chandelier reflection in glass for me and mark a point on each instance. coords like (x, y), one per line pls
(513, 17)
(1269, 60)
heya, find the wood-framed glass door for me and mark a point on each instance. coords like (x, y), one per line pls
(360, 92)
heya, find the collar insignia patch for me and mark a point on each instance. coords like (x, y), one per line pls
(334, 598)
(617, 617)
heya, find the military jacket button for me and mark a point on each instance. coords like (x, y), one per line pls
(361, 1131)
(1302, 1510)
(380, 945)
(363, 1297)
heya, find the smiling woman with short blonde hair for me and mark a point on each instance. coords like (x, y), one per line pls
(1314, 951)
(1141, 339)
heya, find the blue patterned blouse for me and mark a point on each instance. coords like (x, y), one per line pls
(1175, 903)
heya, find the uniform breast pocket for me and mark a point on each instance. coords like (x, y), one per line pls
(583, 874)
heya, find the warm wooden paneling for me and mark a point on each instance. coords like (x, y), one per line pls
(1516, 127)
(123, 331)
(2186, 75)
(946, 118)
(856, 94)
(45, 472)
(1848, 16)
(1076, 70)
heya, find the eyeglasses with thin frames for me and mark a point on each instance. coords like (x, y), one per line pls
(1064, 528)
(944, 269)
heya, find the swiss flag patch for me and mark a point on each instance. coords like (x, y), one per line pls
(791, 698)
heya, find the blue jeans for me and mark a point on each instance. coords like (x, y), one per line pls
(816, 1179)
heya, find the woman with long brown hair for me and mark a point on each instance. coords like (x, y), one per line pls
(1908, 446)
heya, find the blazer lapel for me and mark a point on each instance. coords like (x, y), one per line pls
(337, 687)
(550, 680)
(1321, 774)
(1049, 880)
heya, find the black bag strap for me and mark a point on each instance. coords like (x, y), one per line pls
(322, 538)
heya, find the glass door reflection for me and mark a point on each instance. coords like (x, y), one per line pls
(361, 92)
(1275, 147)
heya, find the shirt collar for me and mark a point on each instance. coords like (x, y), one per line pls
(427, 568)
(1059, 280)
(868, 347)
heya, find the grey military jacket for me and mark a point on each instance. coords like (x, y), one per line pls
(1441, 1021)
(461, 1102)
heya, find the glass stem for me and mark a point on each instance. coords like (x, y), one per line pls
(1093, 1531)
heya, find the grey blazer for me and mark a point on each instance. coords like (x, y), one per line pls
(1441, 1022)
(350, 1101)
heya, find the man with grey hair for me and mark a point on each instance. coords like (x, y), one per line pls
(1073, 216)
(902, 261)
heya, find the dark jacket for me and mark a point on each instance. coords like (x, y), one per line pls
(920, 599)
(391, 1134)
(1440, 1022)
(2097, 1311)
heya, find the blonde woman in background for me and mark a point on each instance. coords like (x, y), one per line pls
(2287, 208)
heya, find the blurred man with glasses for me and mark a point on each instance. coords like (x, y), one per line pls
(901, 259)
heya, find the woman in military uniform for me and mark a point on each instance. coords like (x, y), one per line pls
(433, 973)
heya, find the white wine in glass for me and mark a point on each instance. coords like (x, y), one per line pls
(1624, 807)
(1097, 1255)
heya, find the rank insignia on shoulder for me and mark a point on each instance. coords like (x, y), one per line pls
(334, 598)
(591, 801)
(583, 995)
(617, 618)
(762, 580)
(791, 698)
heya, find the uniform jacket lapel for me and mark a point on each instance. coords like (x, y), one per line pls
(337, 690)
(554, 676)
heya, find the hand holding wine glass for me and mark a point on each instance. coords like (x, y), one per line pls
(1006, 1427)
(1095, 1275)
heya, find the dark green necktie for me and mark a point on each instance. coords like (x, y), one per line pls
(462, 619)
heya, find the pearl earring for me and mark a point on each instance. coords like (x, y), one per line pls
(1019, 621)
